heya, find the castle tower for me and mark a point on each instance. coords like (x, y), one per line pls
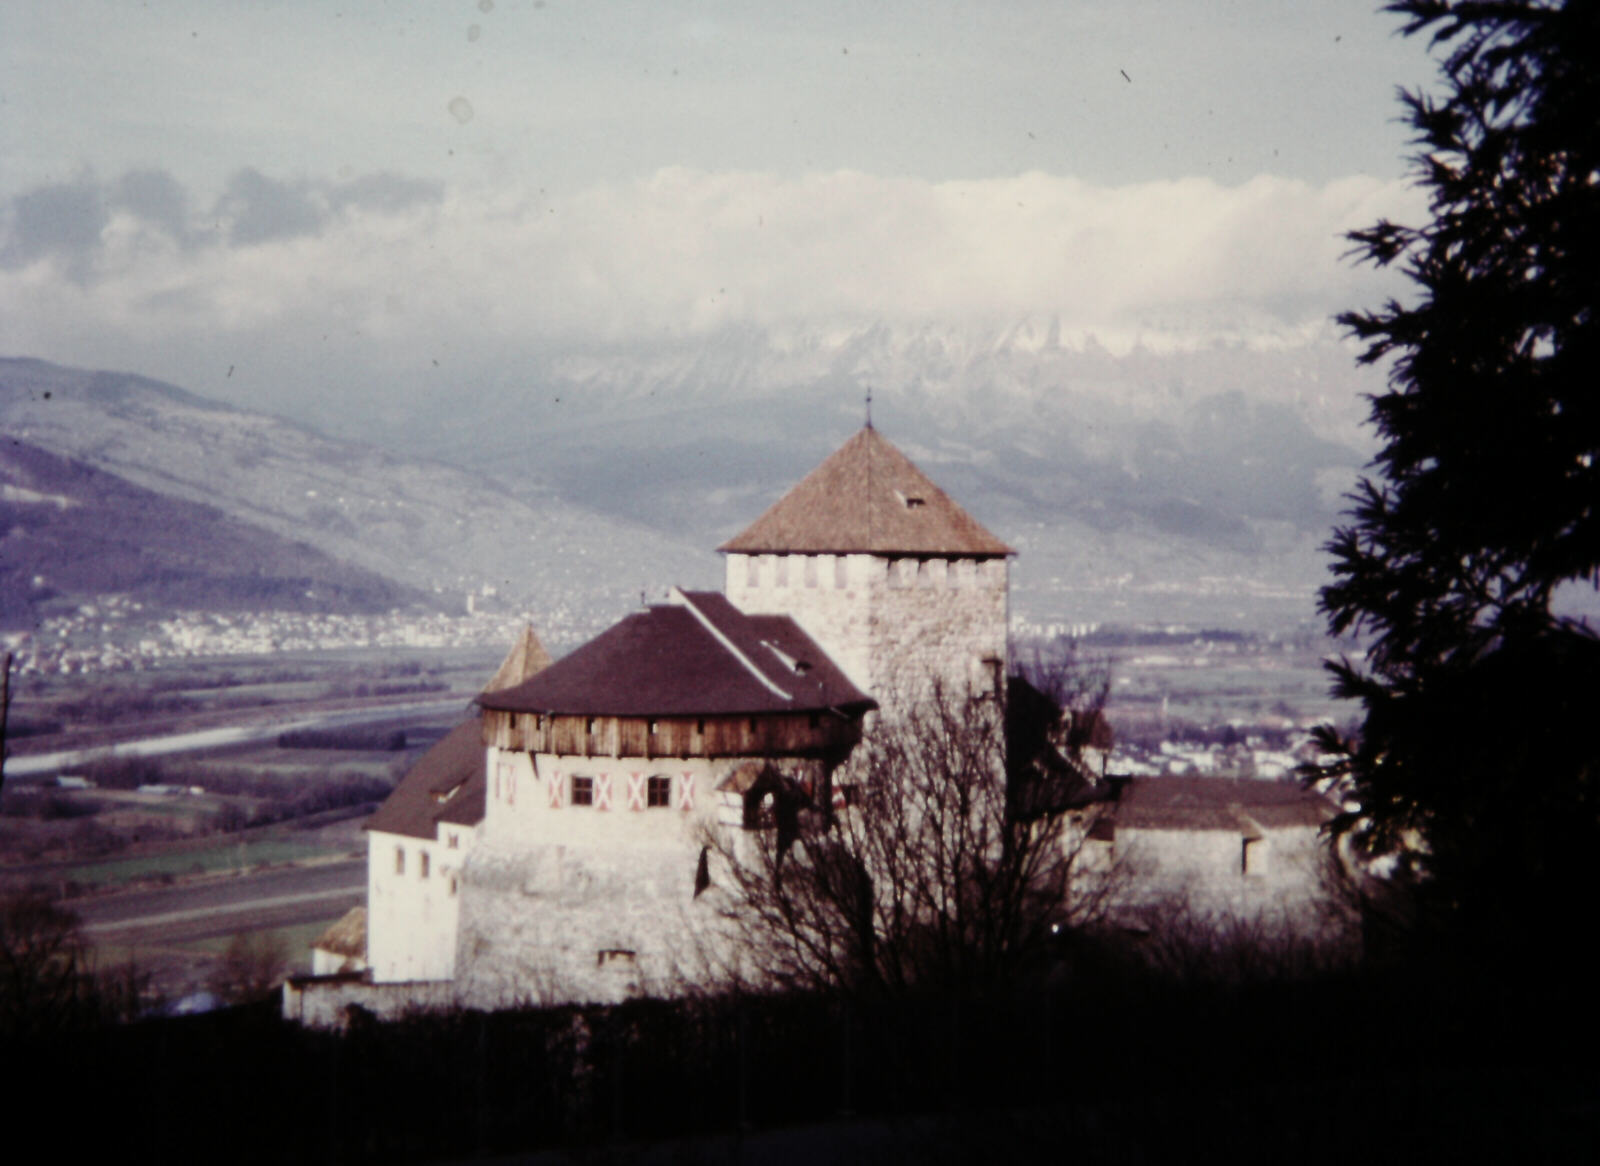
(895, 581)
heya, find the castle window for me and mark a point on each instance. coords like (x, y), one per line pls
(454, 841)
(811, 570)
(399, 860)
(700, 728)
(452, 884)
(839, 577)
(658, 792)
(424, 864)
(655, 727)
(583, 791)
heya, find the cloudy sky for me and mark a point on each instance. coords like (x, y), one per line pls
(251, 200)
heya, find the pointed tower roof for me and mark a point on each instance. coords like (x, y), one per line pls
(867, 498)
(526, 660)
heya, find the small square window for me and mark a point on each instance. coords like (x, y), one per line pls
(399, 860)
(658, 791)
(424, 864)
(583, 791)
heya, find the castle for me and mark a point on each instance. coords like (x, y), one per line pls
(552, 849)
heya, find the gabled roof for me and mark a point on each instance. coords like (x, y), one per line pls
(446, 784)
(867, 498)
(697, 656)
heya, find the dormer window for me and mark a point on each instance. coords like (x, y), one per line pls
(794, 664)
(910, 501)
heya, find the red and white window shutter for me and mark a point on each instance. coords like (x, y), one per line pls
(602, 791)
(635, 791)
(557, 784)
(686, 791)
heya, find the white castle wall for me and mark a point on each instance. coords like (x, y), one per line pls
(414, 902)
(1281, 884)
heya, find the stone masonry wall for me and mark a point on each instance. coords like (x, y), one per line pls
(829, 596)
(893, 625)
(593, 903)
(934, 620)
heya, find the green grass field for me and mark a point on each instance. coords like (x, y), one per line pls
(214, 855)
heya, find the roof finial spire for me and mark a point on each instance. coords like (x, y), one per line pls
(869, 406)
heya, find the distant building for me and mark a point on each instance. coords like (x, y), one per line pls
(1215, 848)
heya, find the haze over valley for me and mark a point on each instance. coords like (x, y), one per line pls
(1147, 488)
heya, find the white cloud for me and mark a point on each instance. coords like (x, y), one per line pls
(687, 252)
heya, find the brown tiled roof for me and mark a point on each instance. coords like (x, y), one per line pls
(1240, 804)
(526, 658)
(699, 656)
(867, 497)
(445, 785)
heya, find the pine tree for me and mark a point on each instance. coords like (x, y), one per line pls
(1475, 765)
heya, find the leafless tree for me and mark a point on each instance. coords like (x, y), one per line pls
(939, 870)
(251, 965)
(48, 983)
